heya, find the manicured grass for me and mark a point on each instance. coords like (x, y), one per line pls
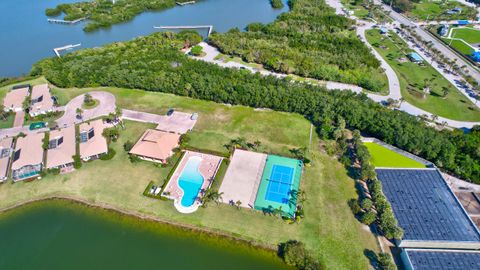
(8, 122)
(437, 11)
(329, 229)
(413, 78)
(384, 157)
(470, 35)
(461, 46)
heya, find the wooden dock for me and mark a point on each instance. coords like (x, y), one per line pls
(209, 27)
(67, 47)
(185, 3)
(66, 22)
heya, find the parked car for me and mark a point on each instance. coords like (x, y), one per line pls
(170, 112)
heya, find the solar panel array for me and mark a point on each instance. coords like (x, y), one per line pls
(427, 260)
(424, 206)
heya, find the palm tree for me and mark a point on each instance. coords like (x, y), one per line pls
(238, 204)
(211, 196)
(79, 112)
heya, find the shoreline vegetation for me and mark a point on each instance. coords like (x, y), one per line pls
(309, 40)
(105, 13)
(157, 64)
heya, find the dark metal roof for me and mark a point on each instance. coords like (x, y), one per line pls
(425, 207)
(451, 260)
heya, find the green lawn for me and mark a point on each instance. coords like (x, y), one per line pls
(414, 77)
(432, 11)
(384, 157)
(8, 122)
(329, 229)
(470, 35)
(460, 46)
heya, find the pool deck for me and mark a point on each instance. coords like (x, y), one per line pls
(208, 168)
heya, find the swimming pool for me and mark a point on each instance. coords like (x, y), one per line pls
(191, 181)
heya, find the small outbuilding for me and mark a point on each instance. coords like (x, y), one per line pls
(155, 145)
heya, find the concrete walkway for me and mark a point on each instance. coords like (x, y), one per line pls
(19, 119)
(393, 82)
(105, 107)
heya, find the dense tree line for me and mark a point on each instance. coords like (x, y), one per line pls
(310, 41)
(104, 13)
(155, 63)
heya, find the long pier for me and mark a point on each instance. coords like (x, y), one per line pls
(209, 27)
(185, 3)
(67, 47)
(65, 22)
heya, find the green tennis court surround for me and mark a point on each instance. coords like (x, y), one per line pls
(279, 185)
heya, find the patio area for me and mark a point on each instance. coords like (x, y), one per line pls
(183, 187)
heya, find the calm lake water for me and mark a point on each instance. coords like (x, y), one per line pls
(27, 36)
(66, 235)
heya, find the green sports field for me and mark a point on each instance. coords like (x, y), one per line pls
(384, 157)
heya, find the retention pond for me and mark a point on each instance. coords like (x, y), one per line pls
(60, 234)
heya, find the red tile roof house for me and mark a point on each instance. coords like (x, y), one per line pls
(61, 148)
(13, 101)
(28, 157)
(155, 145)
(92, 142)
(41, 100)
(6, 149)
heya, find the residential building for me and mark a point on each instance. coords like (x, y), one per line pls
(6, 150)
(92, 142)
(155, 145)
(41, 100)
(28, 157)
(13, 101)
(61, 148)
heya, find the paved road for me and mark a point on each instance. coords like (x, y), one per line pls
(141, 116)
(447, 52)
(105, 107)
(393, 82)
(394, 85)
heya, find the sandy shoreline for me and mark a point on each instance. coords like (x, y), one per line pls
(138, 215)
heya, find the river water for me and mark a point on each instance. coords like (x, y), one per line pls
(27, 37)
(66, 235)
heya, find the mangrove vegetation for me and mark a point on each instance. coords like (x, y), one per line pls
(310, 41)
(155, 63)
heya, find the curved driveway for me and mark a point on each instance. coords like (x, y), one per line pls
(105, 107)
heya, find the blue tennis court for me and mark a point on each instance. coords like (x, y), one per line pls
(278, 189)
